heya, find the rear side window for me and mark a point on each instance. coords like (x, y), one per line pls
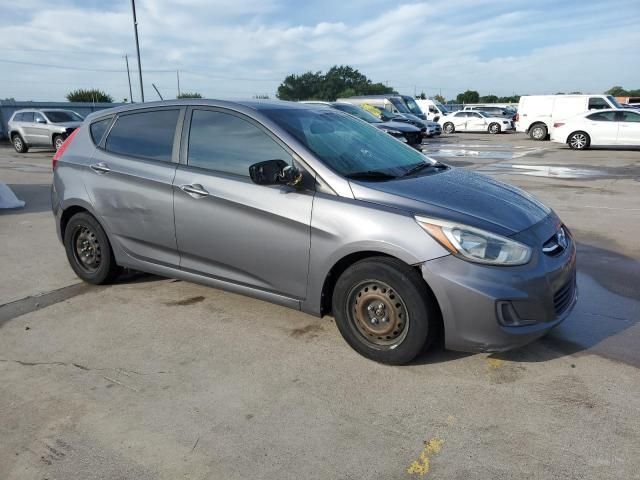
(226, 143)
(603, 117)
(597, 103)
(98, 128)
(146, 135)
(18, 117)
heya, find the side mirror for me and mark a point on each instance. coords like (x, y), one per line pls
(274, 172)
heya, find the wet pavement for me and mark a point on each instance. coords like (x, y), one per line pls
(153, 378)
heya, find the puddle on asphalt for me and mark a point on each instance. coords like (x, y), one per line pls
(545, 171)
(509, 153)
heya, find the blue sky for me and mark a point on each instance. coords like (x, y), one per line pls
(240, 48)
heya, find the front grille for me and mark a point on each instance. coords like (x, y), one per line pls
(563, 297)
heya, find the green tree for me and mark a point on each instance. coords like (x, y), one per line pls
(339, 81)
(189, 95)
(617, 91)
(489, 99)
(89, 95)
(422, 96)
(439, 98)
(470, 96)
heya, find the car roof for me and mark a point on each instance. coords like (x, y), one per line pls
(257, 105)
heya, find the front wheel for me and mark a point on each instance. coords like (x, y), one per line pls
(494, 128)
(88, 250)
(383, 310)
(579, 141)
(449, 127)
(57, 142)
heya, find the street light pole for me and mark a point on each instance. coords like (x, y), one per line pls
(135, 29)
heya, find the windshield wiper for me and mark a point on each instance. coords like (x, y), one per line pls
(421, 166)
(370, 175)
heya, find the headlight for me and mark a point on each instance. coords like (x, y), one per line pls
(475, 245)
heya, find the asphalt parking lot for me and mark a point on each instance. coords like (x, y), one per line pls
(153, 378)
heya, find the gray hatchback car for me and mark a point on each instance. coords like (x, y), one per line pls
(316, 210)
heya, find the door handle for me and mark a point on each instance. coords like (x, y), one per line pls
(100, 167)
(195, 190)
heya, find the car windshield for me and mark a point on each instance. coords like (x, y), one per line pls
(399, 104)
(482, 114)
(62, 116)
(413, 106)
(613, 101)
(442, 108)
(348, 145)
(357, 112)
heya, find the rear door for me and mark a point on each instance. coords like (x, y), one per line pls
(228, 227)
(29, 128)
(603, 128)
(460, 120)
(130, 181)
(628, 128)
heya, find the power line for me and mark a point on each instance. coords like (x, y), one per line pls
(86, 69)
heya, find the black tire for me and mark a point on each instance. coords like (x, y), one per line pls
(58, 140)
(579, 140)
(401, 303)
(19, 143)
(494, 128)
(98, 266)
(538, 131)
(449, 127)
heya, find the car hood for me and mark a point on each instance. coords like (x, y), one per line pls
(399, 126)
(68, 124)
(458, 195)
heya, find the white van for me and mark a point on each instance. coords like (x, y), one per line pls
(537, 113)
(432, 108)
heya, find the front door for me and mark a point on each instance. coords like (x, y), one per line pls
(460, 121)
(39, 130)
(476, 122)
(229, 228)
(130, 182)
(628, 128)
(603, 128)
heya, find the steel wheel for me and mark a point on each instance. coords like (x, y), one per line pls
(578, 141)
(494, 128)
(448, 128)
(378, 314)
(538, 132)
(87, 250)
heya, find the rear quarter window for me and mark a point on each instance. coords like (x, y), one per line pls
(148, 135)
(98, 129)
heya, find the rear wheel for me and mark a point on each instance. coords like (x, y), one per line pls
(538, 131)
(494, 128)
(579, 141)
(383, 310)
(57, 142)
(18, 144)
(88, 250)
(449, 127)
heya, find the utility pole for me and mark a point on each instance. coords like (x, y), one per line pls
(135, 29)
(178, 76)
(126, 59)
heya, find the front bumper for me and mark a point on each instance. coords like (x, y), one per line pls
(472, 296)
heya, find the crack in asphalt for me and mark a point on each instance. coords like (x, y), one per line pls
(125, 371)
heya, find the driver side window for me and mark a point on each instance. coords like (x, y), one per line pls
(226, 143)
